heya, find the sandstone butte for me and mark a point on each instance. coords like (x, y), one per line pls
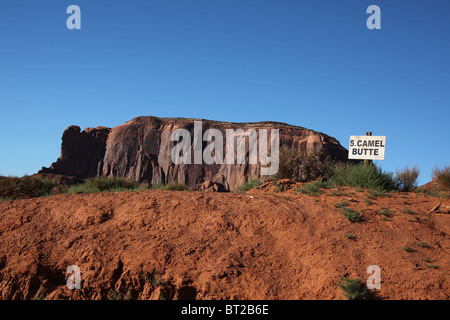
(134, 150)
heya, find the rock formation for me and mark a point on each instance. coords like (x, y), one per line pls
(140, 150)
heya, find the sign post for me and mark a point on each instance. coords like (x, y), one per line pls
(366, 161)
(367, 147)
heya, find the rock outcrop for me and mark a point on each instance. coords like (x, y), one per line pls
(140, 150)
(81, 152)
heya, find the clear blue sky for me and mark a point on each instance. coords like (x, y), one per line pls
(311, 63)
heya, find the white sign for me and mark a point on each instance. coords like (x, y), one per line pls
(367, 147)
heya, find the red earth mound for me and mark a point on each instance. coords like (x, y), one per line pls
(263, 244)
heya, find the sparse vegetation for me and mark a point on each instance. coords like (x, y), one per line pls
(81, 188)
(422, 244)
(338, 194)
(103, 184)
(351, 215)
(354, 289)
(427, 259)
(373, 193)
(174, 186)
(414, 219)
(407, 178)
(289, 162)
(341, 204)
(408, 249)
(431, 266)
(313, 166)
(303, 165)
(350, 236)
(252, 183)
(386, 213)
(25, 187)
(158, 186)
(442, 177)
(408, 211)
(368, 201)
(363, 176)
(311, 189)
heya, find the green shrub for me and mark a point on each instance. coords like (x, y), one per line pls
(311, 189)
(25, 187)
(442, 177)
(385, 212)
(2, 199)
(354, 289)
(408, 211)
(363, 176)
(408, 249)
(158, 186)
(351, 215)
(252, 183)
(341, 204)
(407, 178)
(174, 186)
(110, 183)
(422, 244)
(103, 184)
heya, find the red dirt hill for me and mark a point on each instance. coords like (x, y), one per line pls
(199, 245)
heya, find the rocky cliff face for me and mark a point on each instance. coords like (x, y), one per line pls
(81, 152)
(140, 150)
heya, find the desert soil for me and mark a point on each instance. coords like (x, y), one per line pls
(261, 244)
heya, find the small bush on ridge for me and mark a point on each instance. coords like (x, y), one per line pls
(363, 176)
(407, 178)
(442, 177)
(289, 161)
(303, 165)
